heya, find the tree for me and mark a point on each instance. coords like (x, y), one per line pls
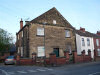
(6, 40)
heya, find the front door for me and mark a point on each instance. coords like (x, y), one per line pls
(56, 51)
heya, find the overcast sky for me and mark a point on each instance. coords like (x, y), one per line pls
(79, 13)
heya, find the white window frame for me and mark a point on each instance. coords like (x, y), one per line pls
(40, 31)
(83, 42)
(40, 51)
(54, 21)
(67, 33)
(22, 33)
(18, 36)
(22, 51)
(98, 52)
(97, 42)
(88, 42)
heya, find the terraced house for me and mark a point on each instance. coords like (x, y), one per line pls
(49, 32)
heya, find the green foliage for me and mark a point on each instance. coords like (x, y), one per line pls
(5, 40)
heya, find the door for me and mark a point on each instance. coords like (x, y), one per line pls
(56, 51)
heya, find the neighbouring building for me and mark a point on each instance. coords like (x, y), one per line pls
(50, 32)
(84, 41)
(96, 38)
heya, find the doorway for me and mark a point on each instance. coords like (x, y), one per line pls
(56, 51)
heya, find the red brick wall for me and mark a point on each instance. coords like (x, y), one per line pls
(82, 57)
(95, 45)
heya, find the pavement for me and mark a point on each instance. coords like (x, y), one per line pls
(91, 68)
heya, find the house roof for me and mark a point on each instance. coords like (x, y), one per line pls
(50, 15)
(87, 34)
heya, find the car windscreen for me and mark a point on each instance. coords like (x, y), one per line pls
(10, 57)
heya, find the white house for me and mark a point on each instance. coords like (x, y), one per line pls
(84, 41)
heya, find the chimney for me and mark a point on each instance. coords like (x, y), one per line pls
(98, 32)
(21, 24)
(82, 29)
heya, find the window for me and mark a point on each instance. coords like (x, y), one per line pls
(83, 42)
(88, 42)
(67, 33)
(98, 52)
(18, 50)
(22, 33)
(97, 42)
(69, 49)
(54, 21)
(21, 51)
(40, 31)
(18, 36)
(41, 51)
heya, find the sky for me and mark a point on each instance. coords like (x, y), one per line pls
(79, 13)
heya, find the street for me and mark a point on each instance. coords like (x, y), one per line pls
(92, 68)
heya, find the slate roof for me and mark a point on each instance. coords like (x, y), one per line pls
(87, 34)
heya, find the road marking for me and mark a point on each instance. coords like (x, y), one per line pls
(4, 72)
(48, 69)
(32, 71)
(94, 73)
(21, 71)
(10, 73)
(41, 70)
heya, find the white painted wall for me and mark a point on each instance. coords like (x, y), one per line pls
(80, 48)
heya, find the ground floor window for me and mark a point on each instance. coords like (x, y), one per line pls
(98, 52)
(21, 48)
(69, 49)
(41, 51)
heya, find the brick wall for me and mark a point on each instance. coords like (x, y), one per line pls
(82, 57)
(96, 57)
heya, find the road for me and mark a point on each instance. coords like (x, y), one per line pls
(92, 68)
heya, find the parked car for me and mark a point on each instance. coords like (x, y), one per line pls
(10, 60)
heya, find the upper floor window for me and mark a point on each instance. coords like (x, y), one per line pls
(22, 33)
(54, 21)
(67, 33)
(88, 42)
(40, 31)
(97, 42)
(18, 36)
(83, 42)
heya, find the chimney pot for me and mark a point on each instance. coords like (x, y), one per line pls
(98, 32)
(21, 24)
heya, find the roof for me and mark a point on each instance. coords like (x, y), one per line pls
(49, 16)
(22, 29)
(87, 34)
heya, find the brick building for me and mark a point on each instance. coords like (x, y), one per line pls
(96, 38)
(50, 32)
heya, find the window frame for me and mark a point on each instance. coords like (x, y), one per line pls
(98, 50)
(83, 41)
(40, 32)
(88, 42)
(38, 52)
(67, 33)
(97, 42)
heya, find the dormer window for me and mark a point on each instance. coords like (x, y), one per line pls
(54, 21)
